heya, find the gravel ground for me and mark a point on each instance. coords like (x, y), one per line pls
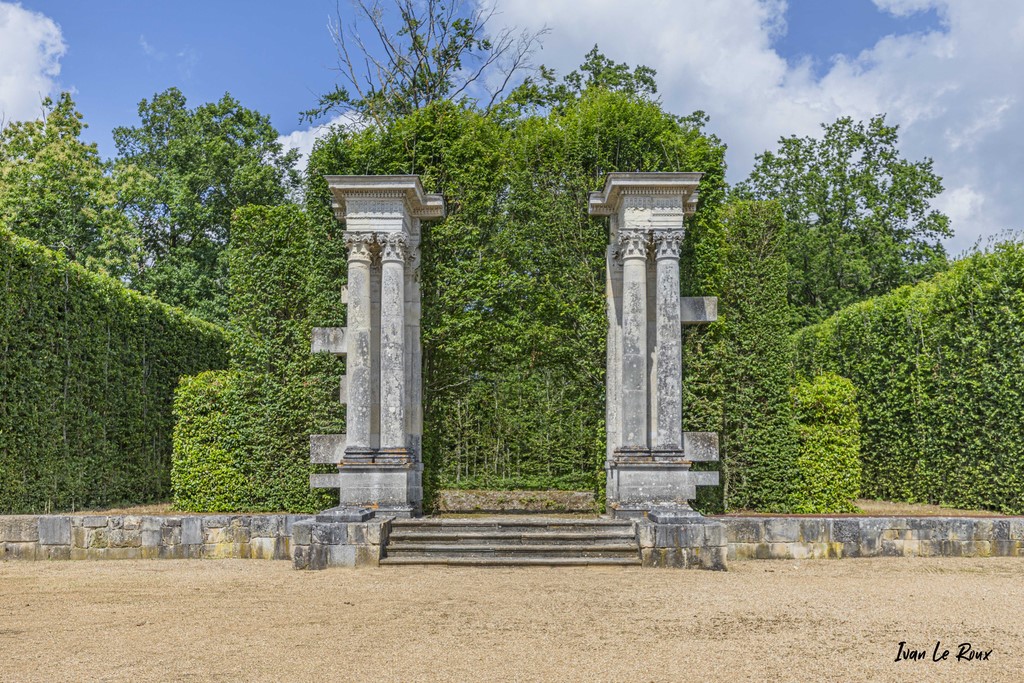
(238, 620)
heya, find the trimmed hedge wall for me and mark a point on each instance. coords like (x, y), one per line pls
(737, 374)
(828, 430)
(87, 373)
(242, 439)
(939, 371)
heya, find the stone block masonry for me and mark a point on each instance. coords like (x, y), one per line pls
(800, 538)
(329, 539)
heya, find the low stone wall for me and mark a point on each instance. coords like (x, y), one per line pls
(799, 538)
(130, 537)
(697, 544)
(311, 542)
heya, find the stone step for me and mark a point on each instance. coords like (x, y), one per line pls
(506, 537)
(453, 561)
(513, 527)
(514, 550)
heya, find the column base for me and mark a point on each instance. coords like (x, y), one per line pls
(390, 489)
(636, 486)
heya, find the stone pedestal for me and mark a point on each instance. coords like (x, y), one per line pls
(648, 456)
(379, 460)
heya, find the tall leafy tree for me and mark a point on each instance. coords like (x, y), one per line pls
(182, 172)
(54, 189)
(859, 214)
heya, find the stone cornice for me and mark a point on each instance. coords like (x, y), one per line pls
(617, 185)
(416, 203)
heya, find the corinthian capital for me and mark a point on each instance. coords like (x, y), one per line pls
(667, 243)
(360, 245)
(633, 244)
(394, 246)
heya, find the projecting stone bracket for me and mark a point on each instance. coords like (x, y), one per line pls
(700, 446)
(327, 449)
(698, 310)
(329, 340)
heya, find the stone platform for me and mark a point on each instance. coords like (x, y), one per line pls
(312, 543)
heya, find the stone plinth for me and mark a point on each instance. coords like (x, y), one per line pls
(379, 460)
(648, 455)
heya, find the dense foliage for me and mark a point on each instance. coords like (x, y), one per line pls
(828, 429)
(181, 172)
(737, 378)
(54, 189)
(513, 280)
(87, 373)
(938, 369)
(242, 438)
(859, 216)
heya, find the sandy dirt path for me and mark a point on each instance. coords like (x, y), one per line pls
(261, 621)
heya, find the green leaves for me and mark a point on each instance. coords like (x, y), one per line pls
(938, 369)
(828, 429)
(858, 215)
(87, 373)
(181, 174)
(54, 190)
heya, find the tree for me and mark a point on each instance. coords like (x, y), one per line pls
(182, 172)
(54, 190)
(860, 222)
(431, 51)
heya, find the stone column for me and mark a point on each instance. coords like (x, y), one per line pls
(649, 455)
(360, 345)
(668, 390)
(394, 250)
(633, 252)
(379, 465)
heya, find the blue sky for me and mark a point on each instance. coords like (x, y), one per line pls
(946, 71)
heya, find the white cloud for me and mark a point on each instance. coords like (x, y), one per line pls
(29, 61)
(303, 139)
(955, 92)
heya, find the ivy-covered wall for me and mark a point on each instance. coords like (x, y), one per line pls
(87, 375)
(939, 373)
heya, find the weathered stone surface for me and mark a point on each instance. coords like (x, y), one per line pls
(19, 529)
(264, 526)
(697, 310)
(327, 449)
(55, 530)
(744, 530)
(329, 340)
(700, 446)
(191, 530)
(781, 529)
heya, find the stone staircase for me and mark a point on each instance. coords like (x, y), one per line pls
(514, 541)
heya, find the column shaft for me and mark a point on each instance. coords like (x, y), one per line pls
(392, 342)
(668, 344)
(633, 247)
(358, 359)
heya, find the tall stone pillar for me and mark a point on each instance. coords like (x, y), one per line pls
(379, 460)
(359, 347)
(633, 370)
(393, 441)
(649, 456)
(668, 348)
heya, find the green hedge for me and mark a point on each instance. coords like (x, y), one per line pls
(87, 374)
(242, 444)
(828, 428)
(939, 371)
(242, 438)
(737, 374)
